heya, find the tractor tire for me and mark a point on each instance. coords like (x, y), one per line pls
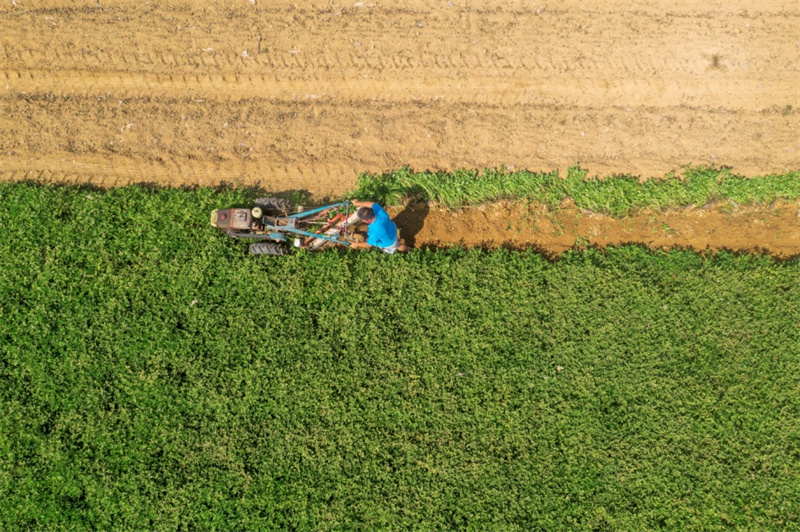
(267, 248)
(280, 205)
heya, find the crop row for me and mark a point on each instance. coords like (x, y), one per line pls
(617, 195)
(155, 376)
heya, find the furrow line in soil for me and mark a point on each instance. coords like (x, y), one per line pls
(772, 229)
(490, 89)
(105, 171)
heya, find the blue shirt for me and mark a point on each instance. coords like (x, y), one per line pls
(381, 232)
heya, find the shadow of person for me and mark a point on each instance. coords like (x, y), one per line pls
(411, 220)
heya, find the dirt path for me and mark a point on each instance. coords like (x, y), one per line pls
(773, 229)
(306, 95)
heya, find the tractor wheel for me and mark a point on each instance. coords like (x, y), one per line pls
(274, 204)
(267, 248)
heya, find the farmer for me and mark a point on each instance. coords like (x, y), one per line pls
(381, 232)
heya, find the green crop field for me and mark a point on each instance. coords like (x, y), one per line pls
(155, 376)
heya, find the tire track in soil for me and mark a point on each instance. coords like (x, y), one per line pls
(317, 145)
(113, 171)
(490, 88)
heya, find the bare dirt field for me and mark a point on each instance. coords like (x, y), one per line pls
(307, 95)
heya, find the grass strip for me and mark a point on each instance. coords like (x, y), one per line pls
(617, 195)
(155, 376)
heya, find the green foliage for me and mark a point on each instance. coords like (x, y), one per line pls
(155, 376)
(616, 195)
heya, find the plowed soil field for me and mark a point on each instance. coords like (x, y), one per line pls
(772, 229)
(306, 95)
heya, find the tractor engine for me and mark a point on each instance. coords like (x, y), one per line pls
(233, 220)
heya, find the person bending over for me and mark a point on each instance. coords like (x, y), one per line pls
(381, 231)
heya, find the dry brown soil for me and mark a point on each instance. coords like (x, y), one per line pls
(308, 94)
